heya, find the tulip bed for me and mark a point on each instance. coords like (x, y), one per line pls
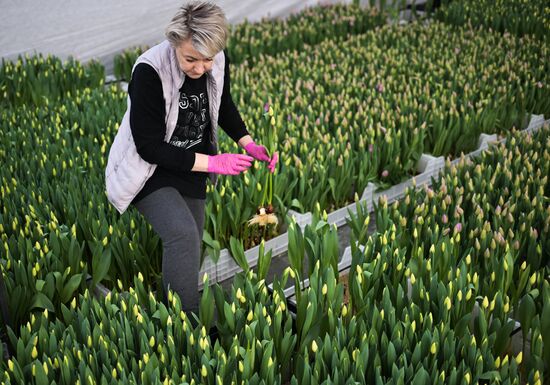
(124, 62)
(56, 225)
(387, 95)
(38, 80)
(410, 317)
(518, 17)
(248, 41)
(480, 234)
(311, 26)
(372, 105)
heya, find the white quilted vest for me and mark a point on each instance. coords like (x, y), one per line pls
(126, 171)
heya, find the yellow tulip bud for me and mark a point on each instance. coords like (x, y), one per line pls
(448, 303)
(313, 346)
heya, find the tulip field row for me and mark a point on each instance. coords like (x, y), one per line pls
(430, 297)
(310, 26)
(248, 40)
(482, 229)
(518, 17)
(38, 80)
(371, 105)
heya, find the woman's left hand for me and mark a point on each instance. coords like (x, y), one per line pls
(273, 162)
(259, 152)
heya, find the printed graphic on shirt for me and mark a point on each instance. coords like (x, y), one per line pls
(193, 120)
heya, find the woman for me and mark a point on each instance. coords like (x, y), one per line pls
(166, 144)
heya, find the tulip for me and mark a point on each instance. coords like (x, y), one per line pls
(314, 346)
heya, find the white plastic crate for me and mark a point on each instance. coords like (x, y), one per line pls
(209, 267)
(536, 122)
(302, 220)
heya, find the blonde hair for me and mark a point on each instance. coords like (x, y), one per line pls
(202, 22)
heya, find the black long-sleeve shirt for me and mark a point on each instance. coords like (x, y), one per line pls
(175, 159)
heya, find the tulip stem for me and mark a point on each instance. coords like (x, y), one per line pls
(265, 187)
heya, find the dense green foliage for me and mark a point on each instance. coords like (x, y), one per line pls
(432, 293)
(519, 17)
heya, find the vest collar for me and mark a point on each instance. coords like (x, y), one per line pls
(178, 76)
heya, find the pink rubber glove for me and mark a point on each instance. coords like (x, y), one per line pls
(273, 162)
(258, 152)
(229, 164)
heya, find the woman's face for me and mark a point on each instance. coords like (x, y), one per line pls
(191, 62)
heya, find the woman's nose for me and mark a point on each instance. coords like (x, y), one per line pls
(200, 68)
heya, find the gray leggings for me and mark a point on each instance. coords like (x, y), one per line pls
(179, 221)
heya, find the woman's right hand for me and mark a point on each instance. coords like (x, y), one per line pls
(229, 164)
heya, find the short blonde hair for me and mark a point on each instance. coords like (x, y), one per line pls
(202, 22)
